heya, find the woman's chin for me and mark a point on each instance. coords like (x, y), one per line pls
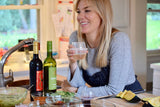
(84, 31)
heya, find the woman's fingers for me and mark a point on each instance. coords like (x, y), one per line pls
(70, 46)
(70, 52)
(67, 87)
(70, 55)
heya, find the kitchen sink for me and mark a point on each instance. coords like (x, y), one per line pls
(25, 84)
(20, 83)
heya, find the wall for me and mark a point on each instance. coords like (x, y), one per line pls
(47, 31)
(47, 27)
(138, 38)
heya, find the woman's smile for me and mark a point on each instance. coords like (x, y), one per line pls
(84, 23)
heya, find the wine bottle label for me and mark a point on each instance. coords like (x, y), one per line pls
(39, 81)
(52, 78)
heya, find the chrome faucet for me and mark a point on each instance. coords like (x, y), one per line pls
(5, 80)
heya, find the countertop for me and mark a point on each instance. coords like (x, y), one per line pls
(123, 103)
(116, 101)
(21, 69)
(18, 67)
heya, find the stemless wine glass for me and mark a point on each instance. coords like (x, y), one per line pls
(87, 96)
(79, 50)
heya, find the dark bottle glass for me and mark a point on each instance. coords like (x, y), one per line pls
(36, 72)
(50, 81)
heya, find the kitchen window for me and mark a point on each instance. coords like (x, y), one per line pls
(19, 19)
(153, 37)
(153, 25)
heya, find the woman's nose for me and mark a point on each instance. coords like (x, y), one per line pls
(80, 16)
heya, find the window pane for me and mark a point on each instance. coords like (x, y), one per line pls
(153, 30)
(15, 25)
(17, 2)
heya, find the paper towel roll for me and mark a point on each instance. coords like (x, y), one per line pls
(156, 91)
(156, 79)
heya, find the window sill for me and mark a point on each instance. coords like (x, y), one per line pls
(153, 52)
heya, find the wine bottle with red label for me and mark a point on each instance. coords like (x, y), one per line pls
(36, 72)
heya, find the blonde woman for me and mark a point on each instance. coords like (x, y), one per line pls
(107, 67)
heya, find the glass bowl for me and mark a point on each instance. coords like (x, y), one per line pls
(58, 101)
(11, 96)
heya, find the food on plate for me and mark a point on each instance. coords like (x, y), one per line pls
(64, 94)
(59, 102)
(62, 97)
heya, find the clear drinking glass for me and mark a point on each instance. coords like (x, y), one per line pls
(79, 50)
(87, 96)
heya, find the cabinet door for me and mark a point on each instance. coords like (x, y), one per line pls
(120, 13)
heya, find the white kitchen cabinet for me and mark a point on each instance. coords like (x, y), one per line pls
(120, 13)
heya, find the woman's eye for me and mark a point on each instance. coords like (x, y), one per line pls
(87, 10)
(78, 11)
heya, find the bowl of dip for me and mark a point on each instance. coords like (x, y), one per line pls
(11, 96)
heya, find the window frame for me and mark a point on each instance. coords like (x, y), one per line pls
(153, 1)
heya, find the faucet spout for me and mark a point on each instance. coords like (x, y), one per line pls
(4, 80)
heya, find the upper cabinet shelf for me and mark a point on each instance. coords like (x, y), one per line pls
(20, 7)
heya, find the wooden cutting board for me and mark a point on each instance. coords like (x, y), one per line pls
(118, 102)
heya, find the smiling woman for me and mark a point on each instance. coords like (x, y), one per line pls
(17, 23)
(107, 67)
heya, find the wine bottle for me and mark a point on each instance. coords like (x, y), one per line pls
(50, 81)
(36, 72)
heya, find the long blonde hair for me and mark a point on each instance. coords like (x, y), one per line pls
(104, 10)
